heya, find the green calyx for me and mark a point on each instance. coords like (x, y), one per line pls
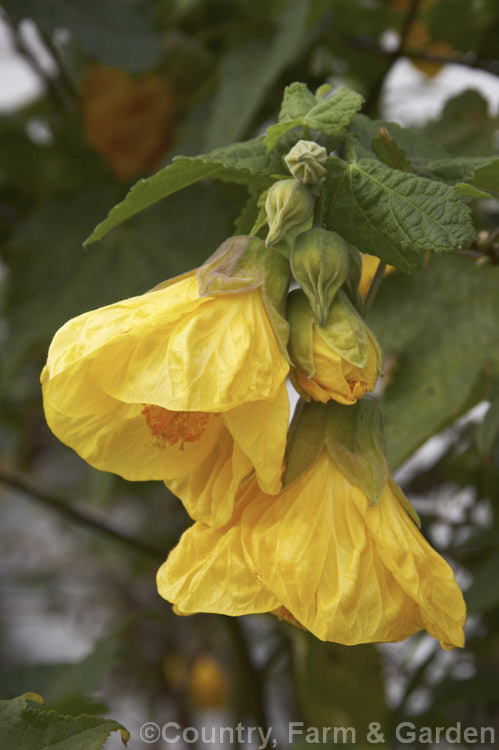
(243, 263)
(289, 208)
(356, 442)
(344, 331)
(320, 261)
(354, 438)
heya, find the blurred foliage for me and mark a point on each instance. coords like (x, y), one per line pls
(124, 86)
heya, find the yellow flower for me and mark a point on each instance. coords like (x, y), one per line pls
(319, 555)
(340, 360)
(174, 386)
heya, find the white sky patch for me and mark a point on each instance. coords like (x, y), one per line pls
(410, 98)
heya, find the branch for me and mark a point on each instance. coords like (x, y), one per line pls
(468, 60)
(21, 483)
(392, 57)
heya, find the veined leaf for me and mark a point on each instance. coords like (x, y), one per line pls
(330, 115)
(22, 726)
(394, 215)
(246, 162)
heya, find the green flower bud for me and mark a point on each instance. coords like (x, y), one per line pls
(289, 207)
(307, 162)
(320, 261)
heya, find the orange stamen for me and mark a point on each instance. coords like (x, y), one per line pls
(172, 427)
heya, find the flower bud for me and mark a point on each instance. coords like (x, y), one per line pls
(289, 207)
(320, 261)
(340, 360)
(307, 162)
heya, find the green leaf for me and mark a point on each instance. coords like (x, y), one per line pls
(330, 116)
(246, 162)
(390, 152)
(118, 33)
(441, 327)
(469, 191)
(415, 145)
(297, 101)
(249, 69)
(394, 215)
(22, 726)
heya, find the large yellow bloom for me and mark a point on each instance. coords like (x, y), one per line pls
(174, 386)
(320, 555)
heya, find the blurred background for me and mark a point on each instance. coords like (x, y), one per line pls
(95, 95)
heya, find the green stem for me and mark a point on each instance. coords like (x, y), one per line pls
(375, 284)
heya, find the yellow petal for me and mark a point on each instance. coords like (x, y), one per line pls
(176, 350)
(335, 378)
(207, 572)
(260, 429)
(313, 548)
(118, 440)
(422, 573)
(208, 490)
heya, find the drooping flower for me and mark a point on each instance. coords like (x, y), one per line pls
(178, 385)
(340, 360)
(320, 555)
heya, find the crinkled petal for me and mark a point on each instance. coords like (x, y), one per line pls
(208, 491)
(175, 349)
(335, 378)
(260, 429)
(207, 572)
(422, 573)
(314, 551)
(113, 436)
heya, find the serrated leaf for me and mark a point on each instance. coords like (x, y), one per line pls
(247, 71)
(296, 102)
(394, 215)
(441, 326)
(246, 162)
(22, 726)
(330, 116)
